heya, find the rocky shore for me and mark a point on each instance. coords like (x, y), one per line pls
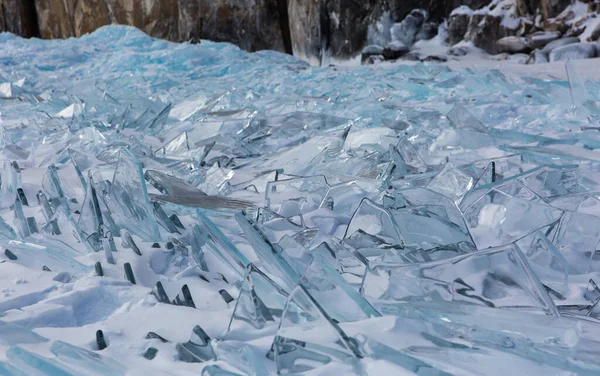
(318, 31)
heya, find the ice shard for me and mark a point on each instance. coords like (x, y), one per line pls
(293, 197)
(36, 365)
(259, 302)
(373, 231)
(342, 302)
(497, 218)
(12, 334)
(198, 349)
(86, 361)
(128, 199)
(307, 337)
(496, 277)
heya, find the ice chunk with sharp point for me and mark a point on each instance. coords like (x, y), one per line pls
(128, 199)
(307, 337)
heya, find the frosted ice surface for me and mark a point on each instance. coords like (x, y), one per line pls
(328, 220)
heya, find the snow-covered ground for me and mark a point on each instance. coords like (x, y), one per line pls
(399, 219)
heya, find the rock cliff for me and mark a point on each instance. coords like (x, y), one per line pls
(314, 30)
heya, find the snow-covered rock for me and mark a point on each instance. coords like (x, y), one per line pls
(576, 51)
(371, 50)
(558, 43)
(407, 30)
(541, 38)
(395, 50)
(457, 27)
(540, 57)
(519, 57)
(512, 44)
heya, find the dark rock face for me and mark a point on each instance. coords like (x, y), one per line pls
(344, 25)
(19, 17)
(527, 7)
(305, 29)
(438, 9)
(552, 8)
(157, 18)
(310, 29)
(458, 25)
(251, 24)
(54, 18)
(89, 15)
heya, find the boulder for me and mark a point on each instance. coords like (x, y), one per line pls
(457, 51)
(512, 45)
(457, 27)
(558, 43)
(395, 50)
(372, 50)
(575, 51)
(541, 38)
(374, 59)
(18, 17)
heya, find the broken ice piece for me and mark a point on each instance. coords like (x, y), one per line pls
(497, 218)
(461, 118)
(150, 353)
(217, 371)
(198, 349)
(36, 365)
(152, 335)
(128, 242)
(451, 182)
(495, 277)
(373, 230)
(128, 198)
(13, 334)
(100, 340)
(85, 360)
(129, 273)
(342, 302)
(293, 197)
(184, 298)
(260, 301)
(308, 337)
(159, 292)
